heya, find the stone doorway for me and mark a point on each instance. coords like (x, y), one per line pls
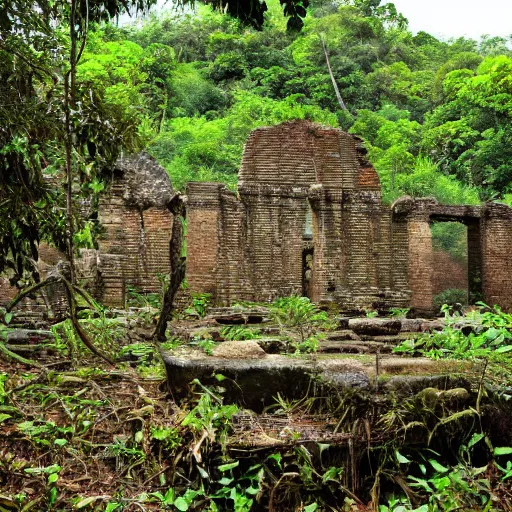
(307, 272)
(450, 271)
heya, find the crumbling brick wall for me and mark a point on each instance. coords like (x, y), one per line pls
(489, 265)
(449, 272)
(253, 247)
(496, 238)
(137, 225)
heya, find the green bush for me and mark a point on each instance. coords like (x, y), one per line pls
(451, 296)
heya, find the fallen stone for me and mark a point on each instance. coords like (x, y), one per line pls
(411, 324)
(237, 319)
(375, 326)
(272, 345)
(27, 336)
(205, 333)
(342, 322)
(353, 347)
(390, 339)
(254, 383)
(343, 335)
(248, 349)
(450, 397)
(237, 315)
(145, 334)
(432, 326)
(414, 385)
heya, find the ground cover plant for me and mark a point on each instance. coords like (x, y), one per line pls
(80, 435)
(86, 419)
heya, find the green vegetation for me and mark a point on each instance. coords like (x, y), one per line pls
(189, 87)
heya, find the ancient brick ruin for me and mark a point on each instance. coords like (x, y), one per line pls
(133, 249)
(308, 219)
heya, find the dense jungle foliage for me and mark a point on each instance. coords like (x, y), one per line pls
(190, 85)
(435, 115)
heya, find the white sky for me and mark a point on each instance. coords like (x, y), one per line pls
(441, 18)
(455, 18)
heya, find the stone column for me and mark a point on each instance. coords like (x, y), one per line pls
(420, 268)
(474, 262)
(497, 256)
(203, 209)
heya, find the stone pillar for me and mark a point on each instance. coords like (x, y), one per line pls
(497, 256)
(474, 262)
(420, 269)
(203, 210)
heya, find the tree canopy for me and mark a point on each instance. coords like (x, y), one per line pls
(189, 87)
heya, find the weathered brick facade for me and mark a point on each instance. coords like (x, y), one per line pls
(308, 219)
(489, 228)
(134, 247)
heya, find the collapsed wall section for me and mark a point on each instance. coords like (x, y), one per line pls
(308, 219)
(134, 248)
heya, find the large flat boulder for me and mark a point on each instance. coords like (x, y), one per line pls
(375, 326)
(253, 383)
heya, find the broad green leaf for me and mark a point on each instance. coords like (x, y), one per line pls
(401, 459)
(503, 450)
(227, 467)
(277, 457)
(60, 442)
(139, 435)
(90, 499)
(475, 439)
(311, 508)
(438, 467)
(441, 483)
(203, 472)
(53, 478)
(111, 507)
(4, 417)
(181, 504)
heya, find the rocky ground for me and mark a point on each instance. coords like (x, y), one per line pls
(234, 412)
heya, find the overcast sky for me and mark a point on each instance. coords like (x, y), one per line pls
(443, 18)
(454, 18)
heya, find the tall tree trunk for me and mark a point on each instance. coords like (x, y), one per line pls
(177, 208)
(69, 101)
(333, 80)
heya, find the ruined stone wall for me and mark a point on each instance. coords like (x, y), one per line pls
(420, 265)
(137, 245)
(449, 273)
(134, 248)
(253, 248)
(203, 210)
(496, 239)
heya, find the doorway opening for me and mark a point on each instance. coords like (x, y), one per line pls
(452, 272)
(307, 273)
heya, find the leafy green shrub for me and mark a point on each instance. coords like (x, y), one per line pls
(450, 297)
(492, 340)
(299, 315)
(239, 332)
(200, 303)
